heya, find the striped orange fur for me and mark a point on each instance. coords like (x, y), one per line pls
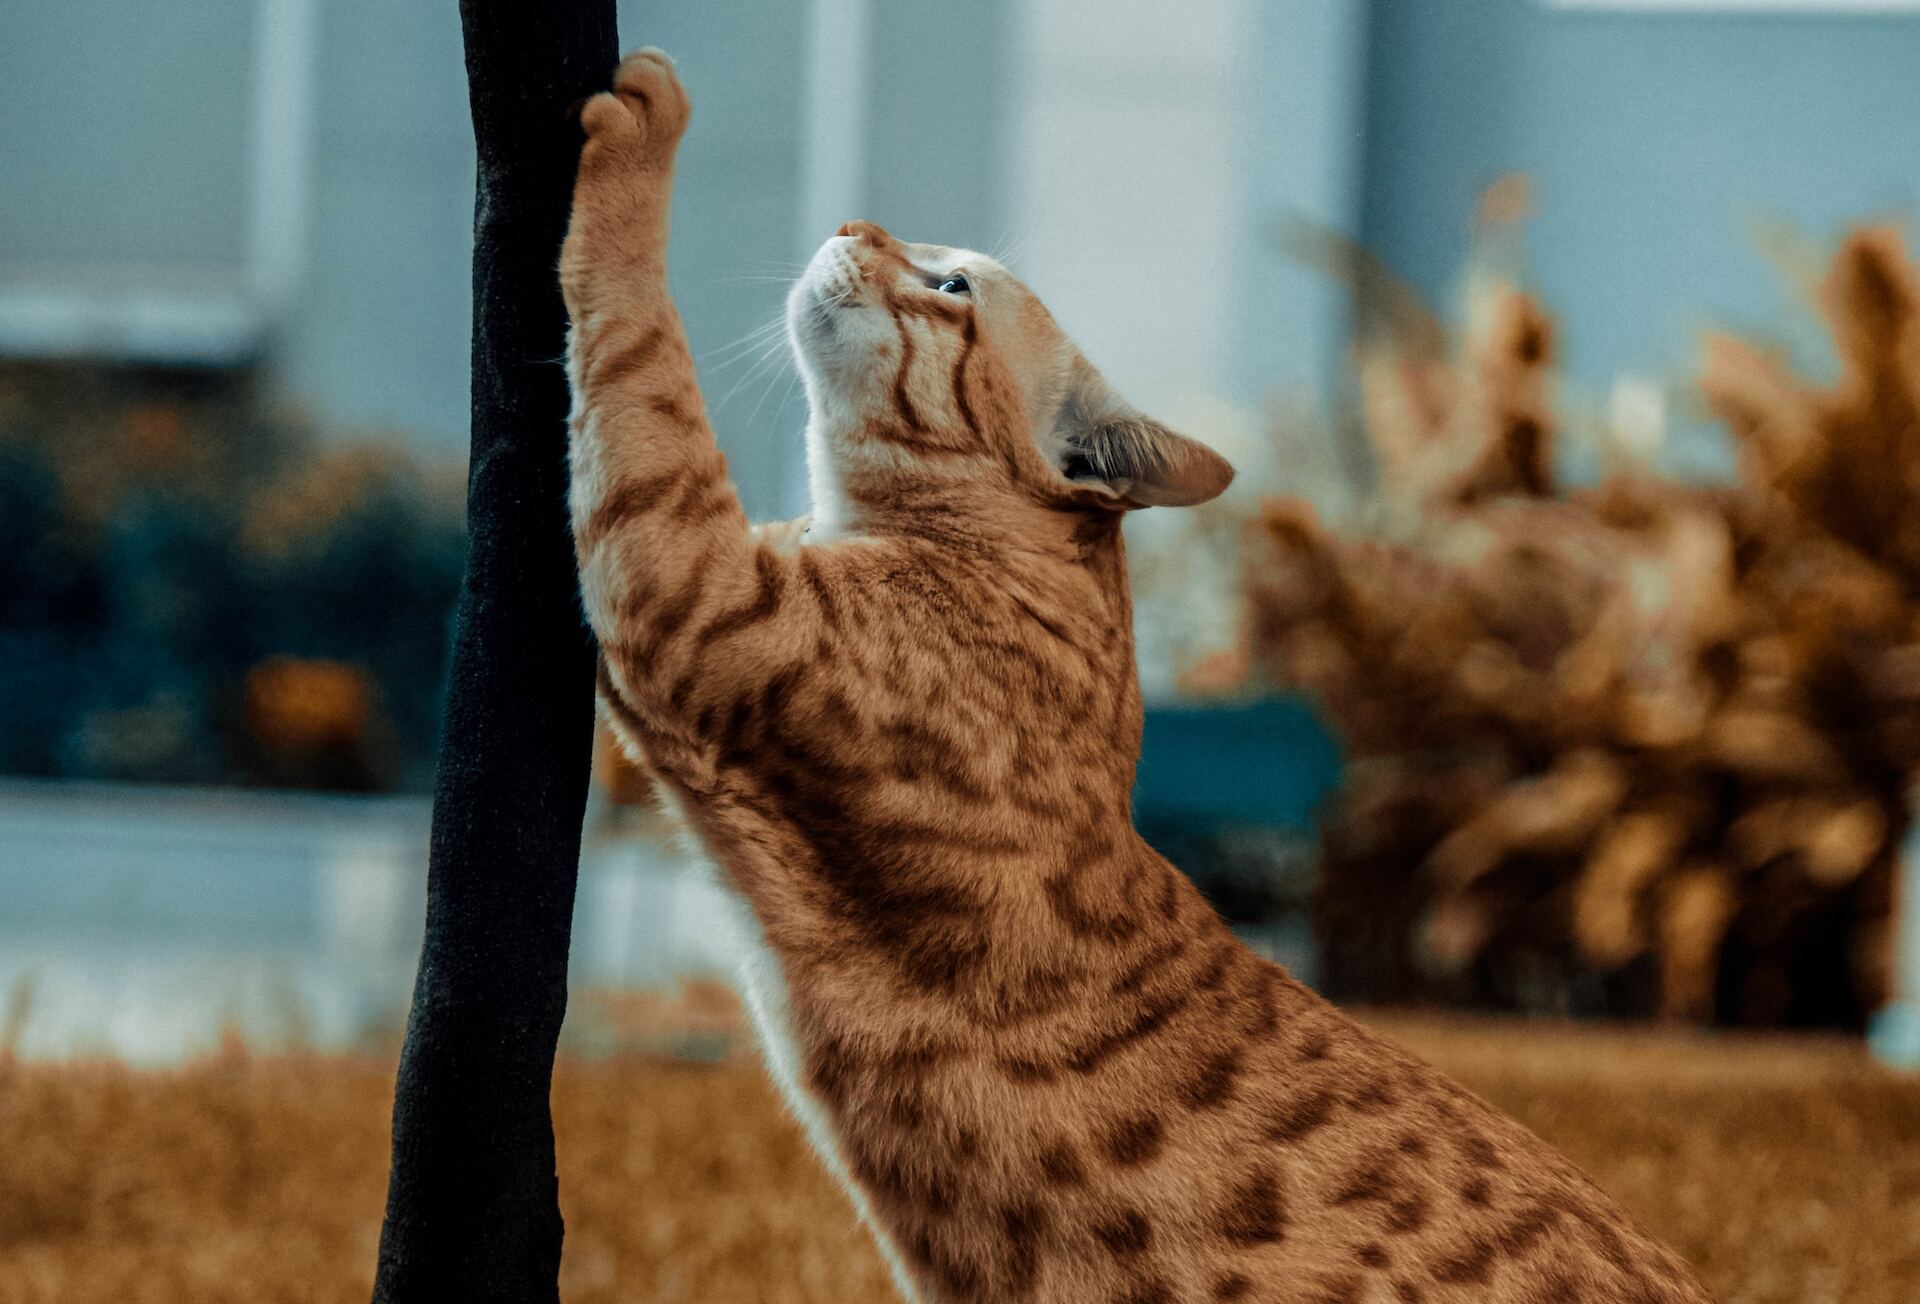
(906, 731)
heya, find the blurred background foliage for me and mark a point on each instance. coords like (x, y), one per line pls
(194, 589)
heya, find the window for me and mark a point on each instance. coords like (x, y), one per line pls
(155, 158)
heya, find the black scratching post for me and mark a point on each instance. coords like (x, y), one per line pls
(472, 1202)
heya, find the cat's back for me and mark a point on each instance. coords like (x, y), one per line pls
(1188, 1123)
(1401, 1185)
(1238, 1138)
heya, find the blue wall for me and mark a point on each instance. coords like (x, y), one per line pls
(100, 83)
(1655, 143)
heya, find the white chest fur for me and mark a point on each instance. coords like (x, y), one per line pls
(763, 987)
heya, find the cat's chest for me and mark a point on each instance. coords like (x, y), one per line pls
(763, 987)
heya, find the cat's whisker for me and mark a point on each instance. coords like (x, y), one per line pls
(771, 324)
(754, 358)
(761, 366)
(755, 414)
(1009, 246)
(748, 343)
(741, 349)
(785, 395)
(783, 272)
(752, 361)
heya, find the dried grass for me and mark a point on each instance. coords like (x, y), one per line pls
(1789, 1170)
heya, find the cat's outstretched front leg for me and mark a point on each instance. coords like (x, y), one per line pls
(691, 608)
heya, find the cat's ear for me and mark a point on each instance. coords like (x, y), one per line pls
(1107, 444)
(1144, 464)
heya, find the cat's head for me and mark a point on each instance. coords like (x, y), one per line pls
(938, 363)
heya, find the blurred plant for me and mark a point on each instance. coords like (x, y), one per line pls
(166, 540)
(314, 722)
(1643, 746)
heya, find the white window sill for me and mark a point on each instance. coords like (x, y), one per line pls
(200, 327)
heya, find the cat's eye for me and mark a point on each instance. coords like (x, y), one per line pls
(955, 285)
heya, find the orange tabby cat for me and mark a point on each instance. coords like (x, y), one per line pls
(906, 731)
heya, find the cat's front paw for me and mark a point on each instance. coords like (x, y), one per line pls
(645, 113)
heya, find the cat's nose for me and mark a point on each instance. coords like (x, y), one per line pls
(871, 232)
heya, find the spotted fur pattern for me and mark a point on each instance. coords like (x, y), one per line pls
(906, 731)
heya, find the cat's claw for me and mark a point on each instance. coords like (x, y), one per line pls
(647, 102)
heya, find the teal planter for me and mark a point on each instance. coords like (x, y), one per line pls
(1261, 763)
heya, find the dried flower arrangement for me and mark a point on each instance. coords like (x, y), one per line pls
(1638, 747)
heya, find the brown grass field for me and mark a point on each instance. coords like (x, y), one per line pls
(1788, 1169)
